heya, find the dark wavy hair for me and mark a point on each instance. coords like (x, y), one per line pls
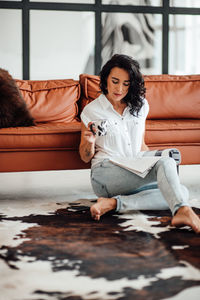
(136, 92)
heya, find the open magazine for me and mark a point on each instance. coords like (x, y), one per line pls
(145, 160)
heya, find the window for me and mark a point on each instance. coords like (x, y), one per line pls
(11, 41)
(56, 51)
(64, 38)
(184, 44)
(137, 35)
(134, 2)
(65, 1)
(185, 3)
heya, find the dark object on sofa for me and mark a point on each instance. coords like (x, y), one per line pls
(13, 108)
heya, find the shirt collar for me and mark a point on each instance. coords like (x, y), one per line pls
(105, 103)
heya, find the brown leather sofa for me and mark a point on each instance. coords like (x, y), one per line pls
(173, 121)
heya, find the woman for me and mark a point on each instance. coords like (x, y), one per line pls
(123, 104)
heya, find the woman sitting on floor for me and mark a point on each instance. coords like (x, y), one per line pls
(123, 104)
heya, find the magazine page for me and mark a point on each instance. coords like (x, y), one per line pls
(145, 160)
(139, 165)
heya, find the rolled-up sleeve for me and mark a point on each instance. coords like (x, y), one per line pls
(146, 108)
(84, 118)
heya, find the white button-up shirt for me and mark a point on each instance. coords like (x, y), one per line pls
(124, 132)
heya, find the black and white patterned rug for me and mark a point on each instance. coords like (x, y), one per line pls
(56, 251)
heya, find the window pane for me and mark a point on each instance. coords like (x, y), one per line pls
(184, 44)
(134, 2)
(11, 41)
(185, 3)
(66, 1)
(61, 48)
(137, 35)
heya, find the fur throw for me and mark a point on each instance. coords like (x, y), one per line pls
(13, 108)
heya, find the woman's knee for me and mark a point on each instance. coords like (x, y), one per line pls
(166, 162)
(166, 167)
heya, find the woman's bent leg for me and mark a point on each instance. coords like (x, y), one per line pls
(169, 184)
(118, 184)
(151, 199)
(170, 189)
(110, 181)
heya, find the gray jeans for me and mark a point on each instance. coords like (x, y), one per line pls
(160, 189)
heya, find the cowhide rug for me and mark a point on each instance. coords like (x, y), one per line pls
(56, 251)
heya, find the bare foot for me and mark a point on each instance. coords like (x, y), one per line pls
(102, 206)
(186, 216)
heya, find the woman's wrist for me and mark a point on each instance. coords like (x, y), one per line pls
(87, 151)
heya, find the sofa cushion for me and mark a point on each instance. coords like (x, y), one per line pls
(51, 100)
(169, 96)
(46, 136)
(173, 97)
(173, 131)
(90, 89)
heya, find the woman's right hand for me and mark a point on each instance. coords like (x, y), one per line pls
(88, 135)
(87, 145)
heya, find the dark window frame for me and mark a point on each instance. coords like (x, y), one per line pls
(98, 8)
